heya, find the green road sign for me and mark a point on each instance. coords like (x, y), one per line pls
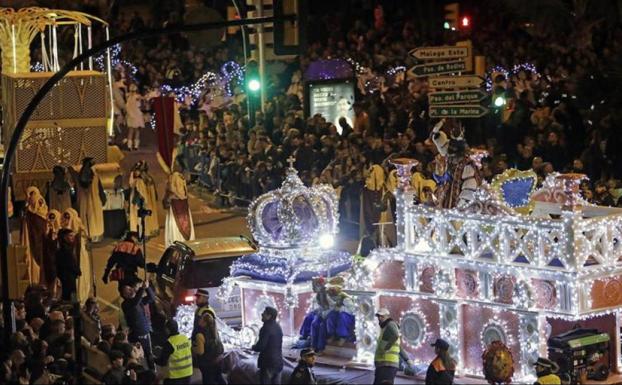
(450, 97)
(438, 68)
(468, 81)
(457, 111)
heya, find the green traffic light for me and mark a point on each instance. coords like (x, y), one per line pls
(446, 25)
(254, 85)
(499, 101)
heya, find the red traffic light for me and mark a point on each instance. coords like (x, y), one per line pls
(466, 21)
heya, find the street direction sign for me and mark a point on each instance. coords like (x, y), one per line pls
(469, 81)
(438, 68)
(450, 97)
(457, 111)
(443, 52)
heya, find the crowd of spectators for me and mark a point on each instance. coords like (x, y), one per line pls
(43, 348)
(554, 121)
(550, 122)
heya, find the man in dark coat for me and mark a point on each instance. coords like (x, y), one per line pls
(67, 267)
(303, 373)
(270, 348)
(134, 302)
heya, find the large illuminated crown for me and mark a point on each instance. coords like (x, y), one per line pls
(294, 215)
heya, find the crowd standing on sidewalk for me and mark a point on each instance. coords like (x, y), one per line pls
(554, 121)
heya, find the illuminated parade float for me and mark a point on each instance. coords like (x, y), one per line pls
(74, 119)
(513, 264)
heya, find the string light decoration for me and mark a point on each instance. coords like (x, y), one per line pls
(293, 216)
(37, 67)
(232, 72)
(528, 268)
(193, 92)
(527, 67)
(415, 329)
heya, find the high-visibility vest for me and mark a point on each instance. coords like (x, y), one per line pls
(180, 362)
(203, 309)
(390, 357)
(199, 313)
(551, 379)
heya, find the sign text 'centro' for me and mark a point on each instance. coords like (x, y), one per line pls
(468, 81)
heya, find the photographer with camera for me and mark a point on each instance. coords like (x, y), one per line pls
(135, 300)
(124, 262)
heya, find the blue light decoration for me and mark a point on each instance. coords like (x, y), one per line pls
(514, 188)
(115, 60)
(289, 224)
(37, 67)
(232, 72)
(529, 67)
(194, 90)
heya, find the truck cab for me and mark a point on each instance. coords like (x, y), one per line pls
(202, 264)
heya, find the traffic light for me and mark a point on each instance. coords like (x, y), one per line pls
(253, 79)
(499, 99)
(289, 35)
(452, 11)
(466, 22)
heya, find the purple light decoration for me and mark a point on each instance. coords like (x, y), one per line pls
(404, 171)
(328, 69)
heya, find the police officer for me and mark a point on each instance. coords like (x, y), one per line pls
(126, 259)
(202, 301)
(177, 355)
(545, 370)
(442, 369)
(303, 373)
(387, 357)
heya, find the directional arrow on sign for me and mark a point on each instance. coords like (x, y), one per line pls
(438, 68)
(469, 81)
(443, 52)
(449, 97)
(457, 111)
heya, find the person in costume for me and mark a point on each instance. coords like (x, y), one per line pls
(371, 201)
(152, 221)
(59, 190)
(33, 231)
(340, 319)
(134, 118)
(49, 252)
(313, 329)
(178, 225)
(455, 173)
(138, 199)
(91, 199)
(71, 220)
(115, 216)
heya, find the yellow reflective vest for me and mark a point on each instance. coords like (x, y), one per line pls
(180, 361)
(549, 379)
(387, 356)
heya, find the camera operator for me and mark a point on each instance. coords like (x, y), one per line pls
(134, 303)
(124, 262)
